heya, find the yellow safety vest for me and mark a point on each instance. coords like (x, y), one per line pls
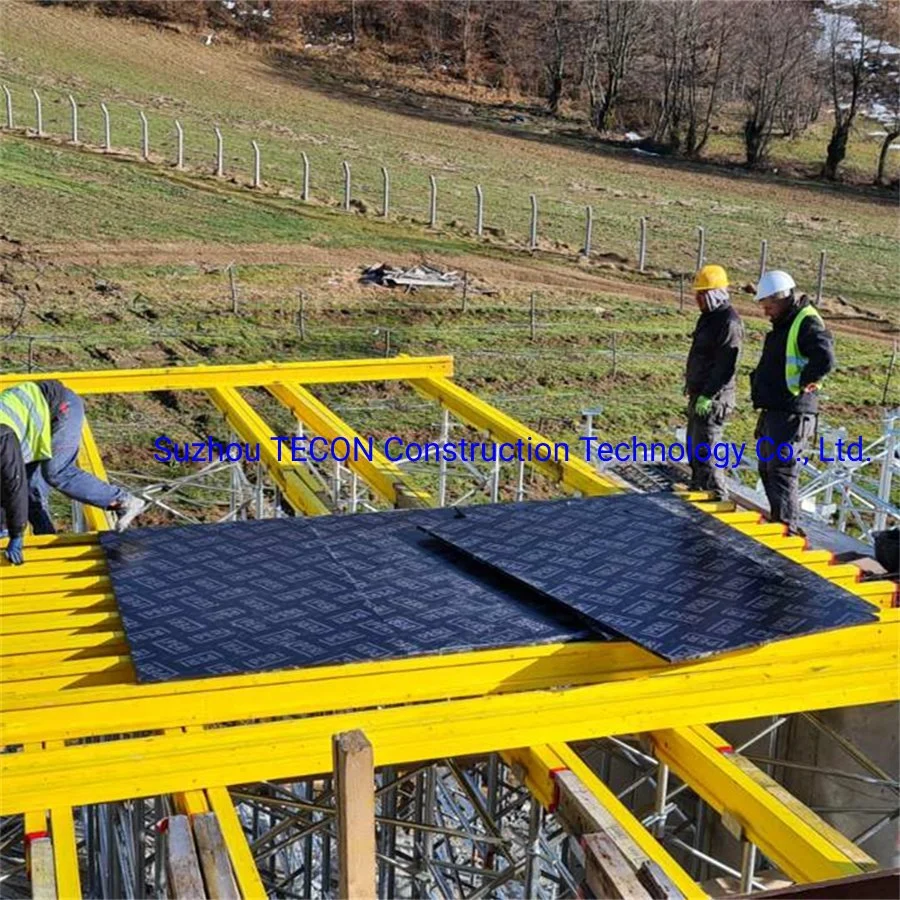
(794, 361)
(26, 411)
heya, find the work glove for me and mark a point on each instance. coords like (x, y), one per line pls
(14, 551)
(702, 406)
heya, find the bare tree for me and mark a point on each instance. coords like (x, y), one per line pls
(613, 40)
(882, 90)
(777, 40)
(850, 48)
(556, 59)
(692, 39)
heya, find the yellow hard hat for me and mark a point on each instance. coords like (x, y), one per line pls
(709, 278)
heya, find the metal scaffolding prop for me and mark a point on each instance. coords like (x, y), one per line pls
(224, 786)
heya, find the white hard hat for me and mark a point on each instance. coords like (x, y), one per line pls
(774, 283)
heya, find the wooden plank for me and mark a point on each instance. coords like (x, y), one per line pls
(607, 872)
(580, 813)
(43, 870)
(233, 833)
(182, 866)
(354, 774)
(220, 883)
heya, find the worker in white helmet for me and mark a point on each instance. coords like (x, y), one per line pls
(798, 353)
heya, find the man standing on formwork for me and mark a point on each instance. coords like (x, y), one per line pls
(798, 353)
(40, 434)
(709, 374)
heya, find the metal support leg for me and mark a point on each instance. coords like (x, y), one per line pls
(442, 465)
(748, 865)
(662, 789)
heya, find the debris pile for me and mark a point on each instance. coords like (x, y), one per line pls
(416, 277)
(424, 275)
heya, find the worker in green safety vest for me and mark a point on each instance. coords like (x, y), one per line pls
(40, 435)
(797, 354)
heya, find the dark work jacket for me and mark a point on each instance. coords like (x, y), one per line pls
(713, 356)
(13, 475)
(13, 483)
(768, 386)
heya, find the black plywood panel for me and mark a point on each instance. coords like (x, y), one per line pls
(655, 570)
(256, 596)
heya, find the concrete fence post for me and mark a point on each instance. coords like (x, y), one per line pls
(701, 247)
(346, 167)
(432, 204)
(304, 196)
(74, 106)
(479, 210)
(385, 193)
(145, 136)
(763, 257)
(820, 280)
(107, 144)
(220, 152)
(642, 247)
(532, 241)
(38, 113)
(588, 229)
(257, 164)
(9, 109)
(179, 152)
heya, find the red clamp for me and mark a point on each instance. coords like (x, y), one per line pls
(554, 803)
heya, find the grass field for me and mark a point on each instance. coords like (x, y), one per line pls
(122, 262)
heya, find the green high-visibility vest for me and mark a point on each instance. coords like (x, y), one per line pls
(794, 360)
(26, 411)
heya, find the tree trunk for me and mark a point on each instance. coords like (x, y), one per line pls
(882, 157)
(753, 133)
(837, 150)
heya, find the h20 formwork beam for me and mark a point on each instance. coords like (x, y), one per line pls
(798, 841)
(574, 475)
(156, 765)
(32, 713)
(295, 482)
(385, 478)
(194, 378)
(545, 769)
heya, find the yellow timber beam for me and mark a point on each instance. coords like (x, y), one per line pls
(800, 843)
(297, 485)
(574, 475)
(385, 478)
(31, 713)
(115, 770)
(193, 378)
(245, 871)
(90, 460)
(539, 767)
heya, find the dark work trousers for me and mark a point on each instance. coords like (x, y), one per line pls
(780, 477)
(707, 430)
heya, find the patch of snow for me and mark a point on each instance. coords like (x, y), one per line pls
(633, 137)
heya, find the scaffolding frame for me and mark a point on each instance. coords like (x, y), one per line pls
(128, 755)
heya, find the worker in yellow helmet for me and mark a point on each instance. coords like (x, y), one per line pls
(710, 370)
(40, 433)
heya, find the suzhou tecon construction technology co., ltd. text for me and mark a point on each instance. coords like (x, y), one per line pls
(302, 449)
